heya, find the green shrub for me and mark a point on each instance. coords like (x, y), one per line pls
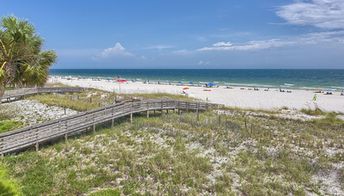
(315, 112)
(8, 187)
(107, 192)
(329, 119)
(6, 112)
(7, 125)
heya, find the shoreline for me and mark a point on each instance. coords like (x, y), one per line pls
(235, 96)
(184, 82)
(313, 79)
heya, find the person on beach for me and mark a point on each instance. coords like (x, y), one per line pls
(315, 97)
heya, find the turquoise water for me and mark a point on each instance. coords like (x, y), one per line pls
(300, 78)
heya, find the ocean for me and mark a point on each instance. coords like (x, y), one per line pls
(293, 78)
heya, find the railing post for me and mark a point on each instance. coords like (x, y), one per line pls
(1, 147)
(147, 109)
(94, 124)
(86, 121)
(179, 109)
(66, 134)
(59, 126)
(112, 118)
(37, 144)
(219, 119)
(131, 112)
(197, 110)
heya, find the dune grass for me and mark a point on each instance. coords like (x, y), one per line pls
(87, 100)
(92, 99)
(176, 154)
(238, 109)
(8, 186)
(329, 119)
(313, 112)
(106, 192)
(6, 119)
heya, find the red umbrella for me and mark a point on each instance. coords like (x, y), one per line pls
(121, 80)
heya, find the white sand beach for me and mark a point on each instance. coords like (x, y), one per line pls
(234, 97)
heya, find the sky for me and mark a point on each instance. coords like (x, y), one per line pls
(181, 34)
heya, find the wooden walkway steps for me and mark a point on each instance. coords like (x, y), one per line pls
(34, 135)
(13, 95)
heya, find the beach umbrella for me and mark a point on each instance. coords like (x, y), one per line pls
(121, 80)
(185, 88)
(210, 85)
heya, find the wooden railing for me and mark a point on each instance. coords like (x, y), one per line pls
(34, 135)
(12, 95)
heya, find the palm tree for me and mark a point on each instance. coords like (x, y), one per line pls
(22, 61)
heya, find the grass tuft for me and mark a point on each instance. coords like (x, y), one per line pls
(315, 112)
(8, 186)
(8, 125)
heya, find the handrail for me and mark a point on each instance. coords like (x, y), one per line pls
(33, 135)
(19, 93)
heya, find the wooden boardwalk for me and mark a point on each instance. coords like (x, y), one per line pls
(13, 95)
(34, 135)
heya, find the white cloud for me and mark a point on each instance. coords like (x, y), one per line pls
(325, 14)
(310, 38)
(321, 37)
(117, 50)
(159, 47)
(251, 45)
(223, 44)
(182, 52)
(203, 62)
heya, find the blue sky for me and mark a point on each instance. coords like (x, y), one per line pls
(188, 34)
